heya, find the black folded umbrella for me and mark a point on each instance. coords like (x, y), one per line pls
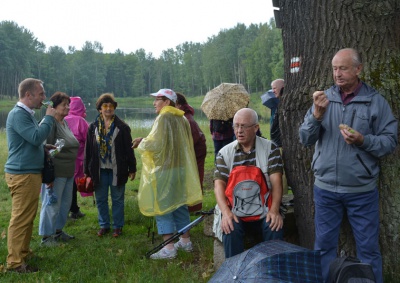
(181, 232)
(271, 261)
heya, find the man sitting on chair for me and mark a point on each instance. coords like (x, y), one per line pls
(248, 149)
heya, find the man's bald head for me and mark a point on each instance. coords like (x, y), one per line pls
(277, 85)
(248, 114)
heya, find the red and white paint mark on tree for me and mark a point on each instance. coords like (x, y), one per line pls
(295, 64)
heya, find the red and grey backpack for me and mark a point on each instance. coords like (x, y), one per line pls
(247, 193)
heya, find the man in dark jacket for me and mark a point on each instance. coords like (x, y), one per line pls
(345, 162)
(275, 132)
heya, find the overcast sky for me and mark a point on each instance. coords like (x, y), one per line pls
(128, 25)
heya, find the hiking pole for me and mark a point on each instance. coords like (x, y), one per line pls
(152, 221)
(148, 229)
(181, 232)
(152, 232)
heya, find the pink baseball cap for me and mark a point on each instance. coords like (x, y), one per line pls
(168, 93)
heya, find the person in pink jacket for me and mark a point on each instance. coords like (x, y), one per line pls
(79, 127)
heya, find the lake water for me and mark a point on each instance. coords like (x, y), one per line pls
(134, 117)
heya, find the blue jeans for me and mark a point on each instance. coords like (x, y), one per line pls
(363, 214)
(54, 217)
(117, 199)
(234, 242)
(173, 221)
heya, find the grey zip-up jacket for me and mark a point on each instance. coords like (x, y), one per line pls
(338, 166)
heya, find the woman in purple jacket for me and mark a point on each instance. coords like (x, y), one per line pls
(79, 127)
(199, 140)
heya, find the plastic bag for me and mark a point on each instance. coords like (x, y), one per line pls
(217, 223)
(59, 144)
(85, 185)
(52, 197)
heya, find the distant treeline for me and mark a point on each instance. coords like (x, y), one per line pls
(250, 55)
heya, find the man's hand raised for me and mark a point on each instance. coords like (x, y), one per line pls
(320, 104)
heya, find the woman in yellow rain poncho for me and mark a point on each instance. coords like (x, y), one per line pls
(170, 179)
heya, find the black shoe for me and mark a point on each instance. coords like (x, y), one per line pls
(24, 269)
(62, 236)
(76, 215)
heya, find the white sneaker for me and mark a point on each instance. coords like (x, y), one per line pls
(181, 246)
(164, 253)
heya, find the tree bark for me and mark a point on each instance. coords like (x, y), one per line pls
(314, 31)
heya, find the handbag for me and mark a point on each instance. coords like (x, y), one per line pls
(85, 185)
(48, 170)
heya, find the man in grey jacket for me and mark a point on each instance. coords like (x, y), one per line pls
(345, 161)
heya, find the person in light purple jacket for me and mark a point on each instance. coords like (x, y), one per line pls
(79, 127)
(199, 141)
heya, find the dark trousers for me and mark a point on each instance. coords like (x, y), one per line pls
(74, 204)
(234, 242)
(220, 144)
(363, 213)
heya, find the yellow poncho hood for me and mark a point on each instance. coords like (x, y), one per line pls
(170, 176)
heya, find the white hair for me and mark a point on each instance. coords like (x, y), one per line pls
(248, 112)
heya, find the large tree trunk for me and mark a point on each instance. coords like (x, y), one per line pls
(313, 31)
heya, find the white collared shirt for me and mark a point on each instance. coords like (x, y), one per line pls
(20, 104)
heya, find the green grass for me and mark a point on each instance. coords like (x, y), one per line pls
(91, 259)
(6, 104)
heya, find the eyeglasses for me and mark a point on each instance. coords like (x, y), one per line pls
(244, 127)
(107, 105)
